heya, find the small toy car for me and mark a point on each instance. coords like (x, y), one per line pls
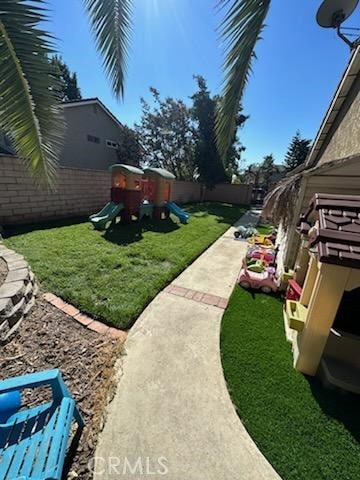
(261, 240)
(265, 281)
(267, 254)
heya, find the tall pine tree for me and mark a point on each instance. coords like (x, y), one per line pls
(69, 89)
(297, 152)
(210, 166)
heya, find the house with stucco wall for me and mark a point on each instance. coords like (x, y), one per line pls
(91, 137)
(332, 166)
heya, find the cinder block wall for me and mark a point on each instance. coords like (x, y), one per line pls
(80, 192)
(185, 192)
(77, 192)
(225, 192)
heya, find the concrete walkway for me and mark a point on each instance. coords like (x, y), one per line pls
(172, 416)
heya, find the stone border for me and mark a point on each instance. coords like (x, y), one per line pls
(84, 319)
(17, 293)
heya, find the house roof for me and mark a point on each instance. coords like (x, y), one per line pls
(92, 101)
(337, 235)
(351, 72)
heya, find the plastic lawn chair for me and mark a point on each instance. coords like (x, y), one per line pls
(33, 441)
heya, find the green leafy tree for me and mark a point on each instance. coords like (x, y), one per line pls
(129, 149)
(167, 136)
(297, 152)
(69, 89)
(29, 113)
(211, 169)
(268, 168)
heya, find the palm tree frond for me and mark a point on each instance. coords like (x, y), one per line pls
(111, 21)
(28, 107)
(240, 30)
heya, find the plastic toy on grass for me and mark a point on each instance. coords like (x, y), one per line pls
(267, 254)
(266, 281)
(262, 240)
(245, 231)
(255, 265)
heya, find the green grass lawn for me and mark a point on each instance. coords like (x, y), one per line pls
(113, 275)
(305, 431)
(264, 228)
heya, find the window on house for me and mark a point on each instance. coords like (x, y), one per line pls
(111, 144)
(93, 139)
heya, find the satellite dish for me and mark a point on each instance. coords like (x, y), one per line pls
(332, 13)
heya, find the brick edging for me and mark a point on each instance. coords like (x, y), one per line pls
(197, 296)
(84, 319)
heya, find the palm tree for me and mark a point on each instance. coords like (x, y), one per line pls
(240, 30)
(28, 108)
(29, 112)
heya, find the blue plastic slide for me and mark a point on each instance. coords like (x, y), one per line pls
(176, 210)
(108, 213)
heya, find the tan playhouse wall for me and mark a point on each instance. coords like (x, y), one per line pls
(80, 192)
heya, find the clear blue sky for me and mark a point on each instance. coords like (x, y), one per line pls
(298, 67)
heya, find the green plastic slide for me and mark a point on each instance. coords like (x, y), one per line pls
(107, 214)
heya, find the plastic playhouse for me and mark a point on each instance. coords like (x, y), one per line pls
(138, 193)
(322, 305)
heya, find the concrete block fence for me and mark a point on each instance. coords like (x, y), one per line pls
(81, 192)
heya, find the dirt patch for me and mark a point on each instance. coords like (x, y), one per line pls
(3, 271)
(48, 338)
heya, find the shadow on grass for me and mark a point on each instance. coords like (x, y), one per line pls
(121, 234)
(225, 212)
(338, 404)
(14, 230)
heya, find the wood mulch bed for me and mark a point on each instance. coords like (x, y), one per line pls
(3, 271)
(48, 338)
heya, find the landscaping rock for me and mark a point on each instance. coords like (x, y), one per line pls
(18, 275)
(16, 313)
(12, 257)
(6, 306)
(16, 265)
(17, 293)
(29, 305)
(29, 291)
(32, 276)
(13, 290)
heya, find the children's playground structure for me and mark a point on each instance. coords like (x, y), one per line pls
(138, 193)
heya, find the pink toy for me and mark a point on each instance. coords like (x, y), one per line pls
(265, 281)
(266, 254)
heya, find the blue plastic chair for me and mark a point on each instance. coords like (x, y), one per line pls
(33, 441)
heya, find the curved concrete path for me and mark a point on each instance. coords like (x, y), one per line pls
(172, 416)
